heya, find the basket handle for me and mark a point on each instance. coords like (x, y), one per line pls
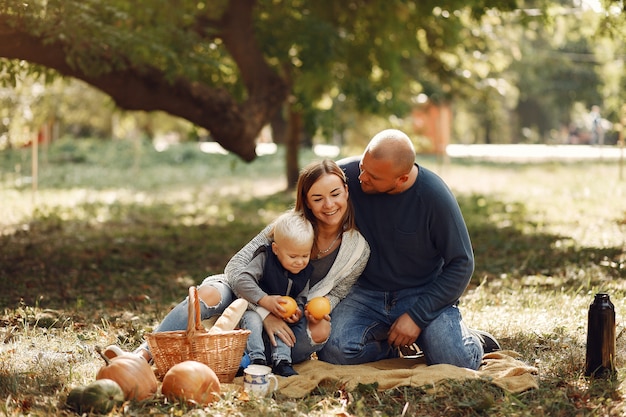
(194, 323)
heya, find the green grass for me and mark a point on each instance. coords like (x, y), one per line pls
(116, 232)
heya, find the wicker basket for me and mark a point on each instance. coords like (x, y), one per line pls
(222, 352)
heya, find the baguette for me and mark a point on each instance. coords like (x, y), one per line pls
(230, 317)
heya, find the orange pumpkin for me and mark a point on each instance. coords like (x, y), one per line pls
(112, 351)
(290, 306)
(131, 372)
(191, 381)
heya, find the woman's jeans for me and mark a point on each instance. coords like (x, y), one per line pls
(362, 320)
(177, 318)
(305, 346)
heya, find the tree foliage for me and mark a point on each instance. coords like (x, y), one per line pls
(180, 57)
(233, 66)
(230, 65)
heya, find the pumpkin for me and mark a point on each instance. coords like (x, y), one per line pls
(192, 382)
(289, 304)
(318, 307)
(112, 351)
(99, 397)
(131, 372)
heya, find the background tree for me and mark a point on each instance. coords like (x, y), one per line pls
(232, 66)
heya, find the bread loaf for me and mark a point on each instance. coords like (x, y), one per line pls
(230, 317)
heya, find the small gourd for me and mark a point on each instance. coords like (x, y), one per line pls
(192, 382)
(99, 397)
(131, 372)
(75, 398)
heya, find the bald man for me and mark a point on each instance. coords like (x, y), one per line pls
(420, 264)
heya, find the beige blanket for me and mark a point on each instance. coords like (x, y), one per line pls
(502, 368)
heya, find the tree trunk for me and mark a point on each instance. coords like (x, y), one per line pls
(279, 127)
(292, 146)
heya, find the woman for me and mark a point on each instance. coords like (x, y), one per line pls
(338, 257)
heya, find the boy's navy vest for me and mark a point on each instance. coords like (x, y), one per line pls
(277, 280)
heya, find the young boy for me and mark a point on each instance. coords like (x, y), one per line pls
(281, 268)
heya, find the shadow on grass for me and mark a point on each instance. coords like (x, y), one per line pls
(154, 252)
(139, 252)
(507, 243)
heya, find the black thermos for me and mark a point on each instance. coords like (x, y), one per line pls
(600, 360)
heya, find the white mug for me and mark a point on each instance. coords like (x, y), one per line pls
(257, 380)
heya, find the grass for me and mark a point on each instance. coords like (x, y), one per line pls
(116, 232)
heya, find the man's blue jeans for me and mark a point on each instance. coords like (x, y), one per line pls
(361, 321)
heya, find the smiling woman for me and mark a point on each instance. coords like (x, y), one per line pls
(323, 199)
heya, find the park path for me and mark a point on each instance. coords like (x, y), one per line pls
(529, 153)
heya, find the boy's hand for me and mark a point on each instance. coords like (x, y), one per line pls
(272, 304)
(275, 305)
(295, 317)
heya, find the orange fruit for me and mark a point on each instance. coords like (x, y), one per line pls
(289, 304)
(318, 307)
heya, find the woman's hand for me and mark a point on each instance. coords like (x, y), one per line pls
(275, 326)
(313, 321)
(318, 329)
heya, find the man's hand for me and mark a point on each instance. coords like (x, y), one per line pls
(403, 332)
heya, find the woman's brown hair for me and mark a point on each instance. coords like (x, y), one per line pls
(309, 176)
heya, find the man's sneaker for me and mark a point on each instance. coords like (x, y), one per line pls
(283, 368)
(411, 351)
(490, 344)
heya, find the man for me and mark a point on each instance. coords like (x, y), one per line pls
(421, 261)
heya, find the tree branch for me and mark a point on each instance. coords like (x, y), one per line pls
(233, 125)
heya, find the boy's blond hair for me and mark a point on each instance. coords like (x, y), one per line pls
(294, 227)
